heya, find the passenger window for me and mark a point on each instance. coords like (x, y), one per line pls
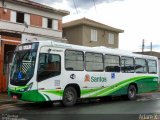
(111, 63)
(152, 66)
(49, 66)
(94, 62)
(140, 65)
(74, 60)
(127, 64)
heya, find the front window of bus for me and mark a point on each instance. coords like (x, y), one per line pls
(23, 65)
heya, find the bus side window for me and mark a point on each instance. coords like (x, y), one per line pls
(140, 65)
(49, 66)
(152, 66)
(112, 63)
(74, 60)
(127, 64)
(94, 62)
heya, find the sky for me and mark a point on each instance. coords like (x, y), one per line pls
(140, 19)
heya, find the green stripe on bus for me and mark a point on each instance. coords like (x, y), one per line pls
(109, 90)
(33, 95)
(88, 91)
(120, 85)
(47, 97)
(55, 92)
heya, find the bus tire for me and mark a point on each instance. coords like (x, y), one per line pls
(131, 93)
(69, 96)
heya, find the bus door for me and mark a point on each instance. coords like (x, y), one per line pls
(49, 71)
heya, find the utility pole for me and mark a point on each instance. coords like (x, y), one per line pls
(151, 49)
(142, 46)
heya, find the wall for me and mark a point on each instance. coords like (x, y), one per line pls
(26, 9)
(73, 35)
(29, 38)
(21, 28)
(102, 37)
(4, 14)
(33, 18)
(36, 20)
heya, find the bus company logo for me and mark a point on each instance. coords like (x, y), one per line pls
(94, 79)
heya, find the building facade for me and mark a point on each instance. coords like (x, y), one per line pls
(91, 33)
(22, 21)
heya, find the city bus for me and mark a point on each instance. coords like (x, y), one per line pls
(48, 71)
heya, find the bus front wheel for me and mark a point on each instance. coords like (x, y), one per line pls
(69, 97)
(131, 95)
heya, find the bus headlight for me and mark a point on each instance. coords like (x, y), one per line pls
(29, 87)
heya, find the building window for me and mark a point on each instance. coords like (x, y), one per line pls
(74, 60)
(127, 64)
(49, 23)
(112, 63)
(93, 35)
(20, 17)
(94, 62)
(110, 38)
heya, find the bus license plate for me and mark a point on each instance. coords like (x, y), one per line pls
(15, 97)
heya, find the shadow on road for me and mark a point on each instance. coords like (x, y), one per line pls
(59, 105)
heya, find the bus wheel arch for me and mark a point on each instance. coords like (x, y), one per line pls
(70, 95)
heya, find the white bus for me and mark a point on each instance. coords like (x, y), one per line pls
(44, 71)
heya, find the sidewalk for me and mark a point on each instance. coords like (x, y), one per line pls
(5, 99)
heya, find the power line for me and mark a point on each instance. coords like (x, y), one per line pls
(75, 6)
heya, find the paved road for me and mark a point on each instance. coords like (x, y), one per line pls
(146, 105)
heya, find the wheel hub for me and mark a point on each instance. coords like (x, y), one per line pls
(132, 93)
(69, 96)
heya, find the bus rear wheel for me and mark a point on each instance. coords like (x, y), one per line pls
(69, 97)
(131, 94)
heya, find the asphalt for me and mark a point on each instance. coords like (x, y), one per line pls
(5, 99)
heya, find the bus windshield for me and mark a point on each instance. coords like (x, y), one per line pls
(23, 65)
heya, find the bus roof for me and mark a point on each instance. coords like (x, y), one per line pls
(98, 49)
